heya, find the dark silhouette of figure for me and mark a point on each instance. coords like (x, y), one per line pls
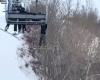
(7, 27)
(15, 27)
(43, 34)
(43, 29)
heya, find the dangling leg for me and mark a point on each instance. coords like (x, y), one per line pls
(23, 28)
(19, 27)
(42, 39)
(15, 29)
(43, 35)
(7, 26)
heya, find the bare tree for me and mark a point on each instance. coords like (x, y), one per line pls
(73, 46)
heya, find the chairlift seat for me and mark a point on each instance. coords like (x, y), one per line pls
(26, 16)
(29, 18)
(26, 22)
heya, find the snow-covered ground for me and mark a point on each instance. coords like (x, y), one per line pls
(9, 69)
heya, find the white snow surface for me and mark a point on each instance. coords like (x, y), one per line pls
(9, 67)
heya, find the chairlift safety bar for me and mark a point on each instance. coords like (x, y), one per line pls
(27, 22)
(27, 16)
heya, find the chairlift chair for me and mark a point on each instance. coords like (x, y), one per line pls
(13, 16)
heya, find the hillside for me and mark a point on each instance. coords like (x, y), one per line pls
(73, 44)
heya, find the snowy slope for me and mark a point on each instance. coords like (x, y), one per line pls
(9, 69)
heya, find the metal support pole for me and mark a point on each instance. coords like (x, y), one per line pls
(36, 5)
(47, 12)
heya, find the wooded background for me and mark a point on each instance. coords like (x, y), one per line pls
(73, 43)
